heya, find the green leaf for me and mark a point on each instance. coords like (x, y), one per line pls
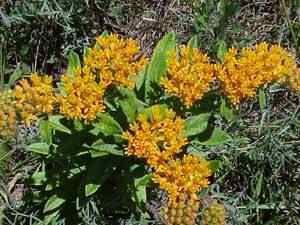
(140, 188)
(90, 189)
(97, 173)
(99, 150)
(129, 109)
(107, 125)
(104, 34)
(38, 178)
(77, 170)
(141, 78)
(221, 50)
(78, 125)
(262, 100)
(196, 124)
(142, 181)
(130, 105)
(50, 218)
(259, 185)
(225, 111)
(144, 220)
(217, 137)
(45, 131)
(73, 62)
(52, 185)
(4, 155)
(54, 122)
(40, 148)
(17, 74)
(163, 109)
(86, 51)
(3, 150)
(214, 165)
(193, 42)
(53, 203)
(158, 64)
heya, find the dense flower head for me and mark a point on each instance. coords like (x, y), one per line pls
(189, 74)
(155, 138)
(187, 175)
(214, 214)
(243, 72)
(115, 60)
(34, 96)
(183, 211)
(82, 96)
(7, 114)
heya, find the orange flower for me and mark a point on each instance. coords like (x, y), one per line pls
(115, 60)
(242, 73)
(34, 97)
(188, 76)
(82, 96)
(156, 139)
(188, 175)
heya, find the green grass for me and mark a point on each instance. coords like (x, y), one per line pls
(259, 179)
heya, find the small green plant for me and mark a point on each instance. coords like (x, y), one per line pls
(117, 126)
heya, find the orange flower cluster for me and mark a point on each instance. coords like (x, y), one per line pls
(115, 60)
(214, 214)
(189, 75)
(111, 61)
(184, 211)
(82, 96)
(34, 96)
(158, 139)
(182, 179)
(245, 71)
(187, 175)
(7, 114)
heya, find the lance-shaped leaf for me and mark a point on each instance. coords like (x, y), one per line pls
(158, 64)
(193, 42)
(54, 122)
(73, 62)
(98, 150)
(196, 124)
(104, 166)
(107, 125)
(40, 148)
(217, 137)
(53, 203)
(226, 111)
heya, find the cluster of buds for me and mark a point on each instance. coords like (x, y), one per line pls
(183, 211)
(214, 214)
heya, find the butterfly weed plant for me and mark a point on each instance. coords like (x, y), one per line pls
(118, 125)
